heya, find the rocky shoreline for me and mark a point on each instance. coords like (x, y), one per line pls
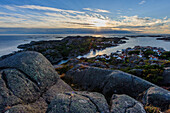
(164, 38)
(29, 83)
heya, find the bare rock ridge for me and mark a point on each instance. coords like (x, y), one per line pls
(29, 84)
(109, 82)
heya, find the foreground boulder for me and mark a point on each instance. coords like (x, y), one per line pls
(78, 102)
(34, 66)
(125, 104)
(24, 77)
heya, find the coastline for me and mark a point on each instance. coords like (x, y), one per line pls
(129, 43)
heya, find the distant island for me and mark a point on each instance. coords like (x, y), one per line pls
(164, 38)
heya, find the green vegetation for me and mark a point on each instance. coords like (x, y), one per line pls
(152, 73)
(63, 69)
(152, 109)
(134, 52)
(149, 52)
(165, 55)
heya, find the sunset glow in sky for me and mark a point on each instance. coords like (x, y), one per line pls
(145, 16)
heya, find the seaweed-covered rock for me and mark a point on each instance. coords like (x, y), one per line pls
(157, 97)
(125, 104)
(78, 102)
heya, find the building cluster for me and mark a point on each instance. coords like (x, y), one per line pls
(124, 53)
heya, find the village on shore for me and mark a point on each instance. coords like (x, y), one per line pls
(138, 52)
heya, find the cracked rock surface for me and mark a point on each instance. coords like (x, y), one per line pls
(59, 87)
(125, 104)
(78, 102)
(34, 65)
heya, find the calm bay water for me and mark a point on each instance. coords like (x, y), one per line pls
(9, 43)
(141, 41)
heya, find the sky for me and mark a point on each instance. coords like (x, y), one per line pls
(85, 16)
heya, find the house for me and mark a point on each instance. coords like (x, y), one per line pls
(140, 56)
(107, 58)
(159, 53)
(153, 57)
(115, 56)
(121, 58)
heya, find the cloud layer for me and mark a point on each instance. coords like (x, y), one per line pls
(142, 2)
(34, 16)
(97, 10)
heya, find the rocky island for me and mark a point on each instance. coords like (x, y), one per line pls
(71, 46)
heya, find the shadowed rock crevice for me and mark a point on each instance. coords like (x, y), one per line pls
(91, 101)
(6, 82)
(131, 106)
(21, 87)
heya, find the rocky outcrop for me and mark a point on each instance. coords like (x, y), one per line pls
(125, 104)
(110, 82)
(78, 102)
(69, 47)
